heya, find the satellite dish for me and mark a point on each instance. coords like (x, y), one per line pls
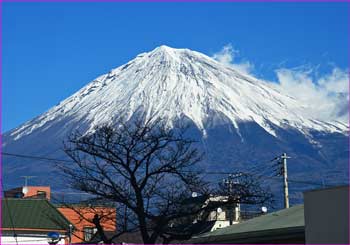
(25, 190)
(219, 210)
(53, 235)
(194, 194)
(264, 209)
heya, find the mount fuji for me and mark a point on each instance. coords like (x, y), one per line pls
(241, 122)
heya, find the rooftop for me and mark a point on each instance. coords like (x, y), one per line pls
(31, 214)
(289, 220)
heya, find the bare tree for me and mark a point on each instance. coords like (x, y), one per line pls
(141, 166)
(243, 189)
(150, 173)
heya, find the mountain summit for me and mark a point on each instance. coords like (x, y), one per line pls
(239, 120)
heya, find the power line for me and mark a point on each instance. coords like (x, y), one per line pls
(202, 172)
(258, 166)
(35, 157)
(70, 193)
(70, 161)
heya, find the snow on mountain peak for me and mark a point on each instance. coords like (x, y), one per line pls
(174, 83)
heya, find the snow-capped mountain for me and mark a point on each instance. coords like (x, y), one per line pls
(223, 105)
(173, 83)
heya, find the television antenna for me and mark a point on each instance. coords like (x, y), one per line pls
(26, 178)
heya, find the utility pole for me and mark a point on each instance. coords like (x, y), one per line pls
(285, 180)
(283, 171)
(229, 183)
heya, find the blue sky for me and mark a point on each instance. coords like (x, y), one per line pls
(50, 50)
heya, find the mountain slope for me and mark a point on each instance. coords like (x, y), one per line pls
(178, 82)
(237, 115)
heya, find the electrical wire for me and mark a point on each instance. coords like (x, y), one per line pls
(202, 172)
(35, 157)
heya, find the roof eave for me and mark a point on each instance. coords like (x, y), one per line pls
(255, 236)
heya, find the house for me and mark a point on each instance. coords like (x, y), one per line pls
(284, 226)
(28, 221)
(81, 216)
(199, 224)
(29, 192)
(135, 237)
(323, 219)
(221, 216)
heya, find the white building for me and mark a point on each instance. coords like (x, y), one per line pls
(222, 216)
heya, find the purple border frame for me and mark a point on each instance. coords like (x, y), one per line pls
(183, 1)
(1, 183)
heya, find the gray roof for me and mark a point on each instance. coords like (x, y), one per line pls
(287, 220)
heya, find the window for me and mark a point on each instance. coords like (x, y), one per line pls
(88, 233)
(41, 194)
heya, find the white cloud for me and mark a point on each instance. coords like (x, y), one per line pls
(337, 81)
(326, 96)
(228, 56)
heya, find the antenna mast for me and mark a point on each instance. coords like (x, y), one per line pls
(26, 178)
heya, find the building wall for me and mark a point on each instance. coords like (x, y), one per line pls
(27, 239)
(32, 192)
(81, 217)
(221, 224)
(327, 215)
